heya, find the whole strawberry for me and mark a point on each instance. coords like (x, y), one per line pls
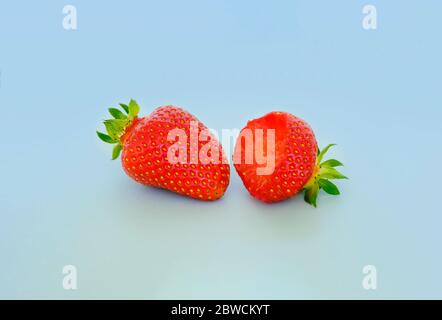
(168, 149)
(289, 144)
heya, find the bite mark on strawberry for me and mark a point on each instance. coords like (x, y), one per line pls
(298, 165)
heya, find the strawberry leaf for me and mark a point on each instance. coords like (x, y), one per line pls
(330, 173)
(311, 194)
(328, 186)
(117, 114)
(116, 151)
(134, 108)
(331, 163)
(125, 107)
(115, 127)
(105, 137)
(324, 151)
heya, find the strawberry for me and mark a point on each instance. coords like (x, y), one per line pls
(296, 160)
(149, 151)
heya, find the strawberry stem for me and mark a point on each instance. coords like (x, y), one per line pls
(324, 171)
(116, 126)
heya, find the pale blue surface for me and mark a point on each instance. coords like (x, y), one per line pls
(375, 93)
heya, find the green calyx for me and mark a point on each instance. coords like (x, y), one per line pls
(116, 127)
(324, 172)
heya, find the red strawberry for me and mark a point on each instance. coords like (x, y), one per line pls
(152, 154)
(297, 160)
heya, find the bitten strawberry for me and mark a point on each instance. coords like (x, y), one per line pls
(298, 162)
(151, 155)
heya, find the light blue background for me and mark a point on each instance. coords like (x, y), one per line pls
(375, 93)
